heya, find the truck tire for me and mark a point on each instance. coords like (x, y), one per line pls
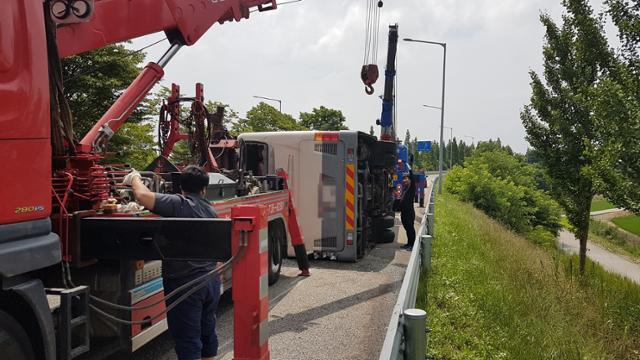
(276, 254)
(14, 341)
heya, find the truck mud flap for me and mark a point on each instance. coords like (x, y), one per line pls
(156, 238)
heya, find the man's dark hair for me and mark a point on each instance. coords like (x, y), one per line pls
(193, 179)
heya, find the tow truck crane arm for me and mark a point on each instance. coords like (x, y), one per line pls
(183, 21)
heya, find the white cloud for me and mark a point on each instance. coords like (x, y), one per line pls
(310, 53)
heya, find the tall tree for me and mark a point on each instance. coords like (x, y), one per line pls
(617, 113)
(323, 118)
(371, 131)
(454, 152)
(558, 121)
(462, 150)
(94, 80)
(432, 158)
(264, 117)
(407, 138)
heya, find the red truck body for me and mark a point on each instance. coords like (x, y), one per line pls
(24, 113)
(45, 199)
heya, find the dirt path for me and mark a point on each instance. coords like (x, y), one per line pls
(609, 261)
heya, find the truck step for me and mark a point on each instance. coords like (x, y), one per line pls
(73, 320)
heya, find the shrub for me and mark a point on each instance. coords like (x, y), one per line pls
(506, 188)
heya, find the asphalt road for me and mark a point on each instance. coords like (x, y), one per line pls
(340, 312)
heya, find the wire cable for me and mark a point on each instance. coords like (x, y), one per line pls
(376, 34)
(200, 279)
(106, 64)
(367, 31)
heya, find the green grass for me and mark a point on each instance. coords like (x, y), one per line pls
(610, 238)
(630, 223)
(494, 295)
(600, 203)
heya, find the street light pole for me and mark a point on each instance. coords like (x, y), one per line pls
(444, 71)
(266, 98)
(473, 138)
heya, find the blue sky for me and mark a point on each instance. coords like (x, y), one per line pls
(309, 54)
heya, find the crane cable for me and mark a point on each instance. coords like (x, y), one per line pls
(369, 72)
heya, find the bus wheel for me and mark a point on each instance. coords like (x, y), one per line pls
(275, 251)
(14, 341)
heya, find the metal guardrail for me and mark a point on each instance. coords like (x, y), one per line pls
(406, 334)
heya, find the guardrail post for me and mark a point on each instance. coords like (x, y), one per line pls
(426, 252)
(431, 224)
(415, 330)
(250, 283)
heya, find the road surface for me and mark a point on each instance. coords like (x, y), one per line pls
(340, 312)
(609, 261)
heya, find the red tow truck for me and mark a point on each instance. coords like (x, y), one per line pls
(80, 270)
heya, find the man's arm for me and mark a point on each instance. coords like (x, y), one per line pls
(143, 195)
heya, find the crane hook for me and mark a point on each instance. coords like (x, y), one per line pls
(369, 75)
(369, 89)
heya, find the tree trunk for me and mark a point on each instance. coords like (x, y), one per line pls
(582, 237)
(582, 233)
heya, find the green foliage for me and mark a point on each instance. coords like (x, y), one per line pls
(135, 145)
(617, 113)
(504, 186)
(264, 117)
(429, 161)
(94, 80)
(617, 162)
(609, 237)
(493, 145)
(323, 118)
(493, 295)
(599, 203)
(559, 121)
(630, 223)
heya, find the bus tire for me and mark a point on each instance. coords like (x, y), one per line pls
(276, 254)
(386, 236)
(387, 221)
(14, 341)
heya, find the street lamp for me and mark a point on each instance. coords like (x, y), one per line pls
(444, 70)
(271, 99)
(473, 138)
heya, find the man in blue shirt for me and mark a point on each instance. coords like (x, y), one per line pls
(192, 322)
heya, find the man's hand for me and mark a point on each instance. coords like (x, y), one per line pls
(128, 180)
